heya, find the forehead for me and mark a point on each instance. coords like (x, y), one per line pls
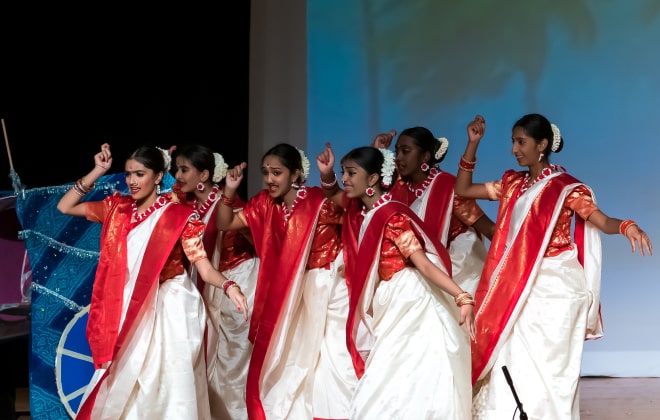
(406, 141)
(351, 164)
(518, 132)
(183, 161)
(272, 161)
(134, 165)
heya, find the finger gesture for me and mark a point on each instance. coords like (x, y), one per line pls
(326, 160)
(234, 176)
(476, 129)
(103, 159)
(384, 140)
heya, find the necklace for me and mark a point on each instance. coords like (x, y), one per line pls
(425, 184)
(202, 209)
(526, 184)
(160, 202)
(382, 200)
(301, 194)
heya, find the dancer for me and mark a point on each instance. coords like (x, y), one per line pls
(403, 303)
(458, 223)
(146, 318)
(199, 173)
(539, 295)
(300, 366)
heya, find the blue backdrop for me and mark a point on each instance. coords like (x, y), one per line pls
(591, 67)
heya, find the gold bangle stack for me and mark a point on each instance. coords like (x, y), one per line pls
(464, 298)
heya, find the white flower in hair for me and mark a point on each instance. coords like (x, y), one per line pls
(387, 170)
(220, 168)
(305, 164)
(556, 138)
(444, 144)
(166, 158)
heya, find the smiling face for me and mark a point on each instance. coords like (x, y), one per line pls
(409, 158)
(355, 179)
(525, 148)
(188, 176)
(141, 182)
(277, 177)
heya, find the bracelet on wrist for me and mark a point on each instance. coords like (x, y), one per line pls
(229, 202)
(466, 165)
(623, 227)
(464, 298)
(329, 185)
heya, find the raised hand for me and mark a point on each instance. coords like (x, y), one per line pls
(326, 161)
(235, 176)
(384, 140)
(103, 159)
(476, 129)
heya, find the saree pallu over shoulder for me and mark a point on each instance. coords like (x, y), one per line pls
(365, 256)
(437, 220)
(104, 336)
(282, 249)
(524, 228)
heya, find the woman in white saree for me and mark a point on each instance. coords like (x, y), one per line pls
(538, 298)
(147, 319)
(404, 306)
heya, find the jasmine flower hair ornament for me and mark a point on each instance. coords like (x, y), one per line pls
(167, 159)
(556, 138)
(387, 170)
(305, 165)
(220, 168)
(444, 144)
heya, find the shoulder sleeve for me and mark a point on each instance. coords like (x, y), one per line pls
(96, 211)
(331, 213)
(581, 202)
(191, 240)
(399, 230)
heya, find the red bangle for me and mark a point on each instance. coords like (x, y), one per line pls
(229, 202)
(623, 227)
(466, 165)
(227, 284)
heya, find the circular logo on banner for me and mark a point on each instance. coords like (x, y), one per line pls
(74, 367)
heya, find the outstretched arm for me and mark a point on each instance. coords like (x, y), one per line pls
(610, 225)
(464, 185)
(329, 183)
(70, 202)
(226, 218)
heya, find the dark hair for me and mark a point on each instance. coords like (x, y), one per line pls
(289, 156)
(425, 140)
(370, 159)
(151, 157)
(200, 156)
(538, 127)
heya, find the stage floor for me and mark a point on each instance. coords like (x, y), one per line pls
(600, 398)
